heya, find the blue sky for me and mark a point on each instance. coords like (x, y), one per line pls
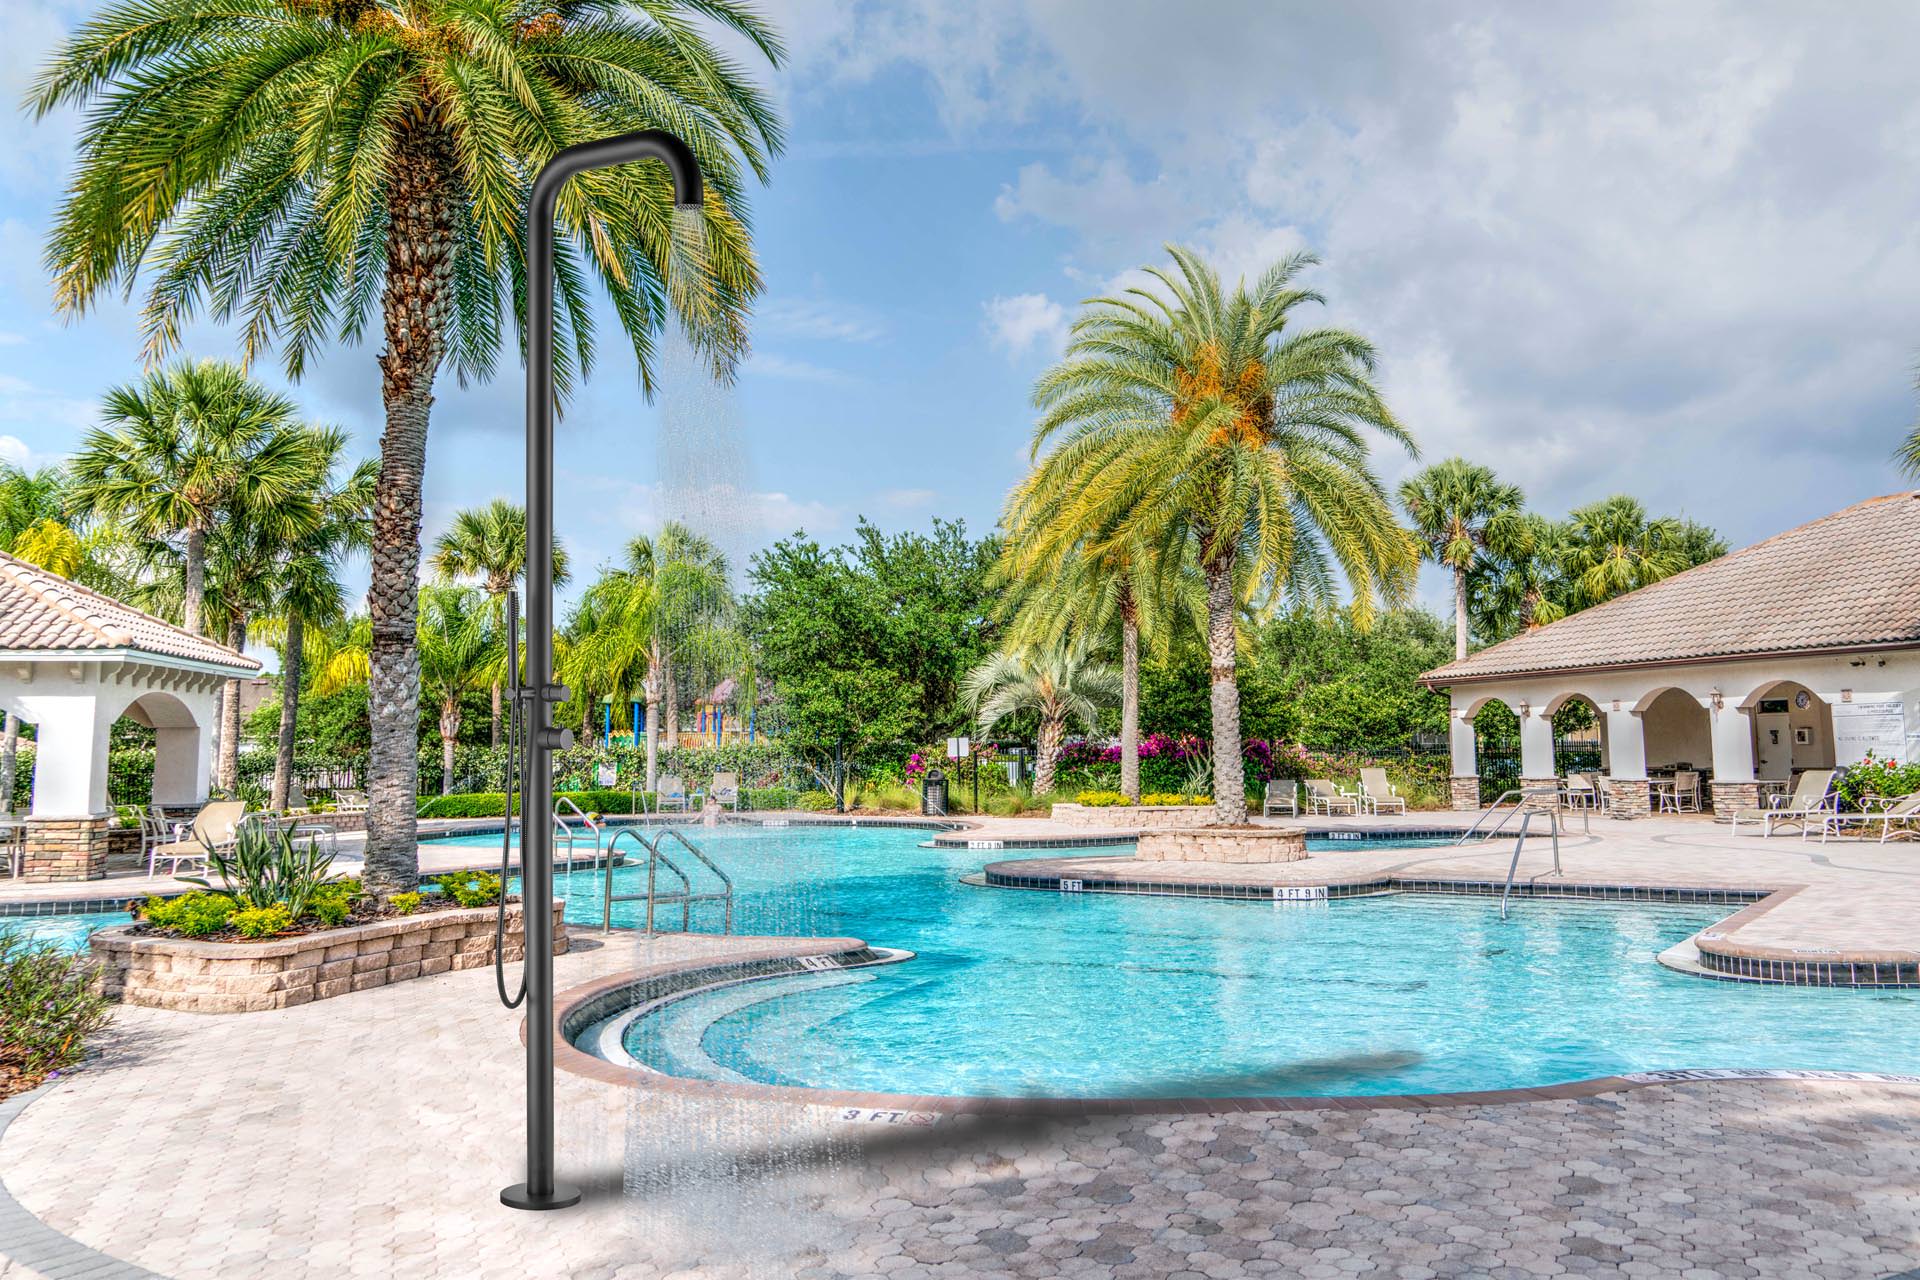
(1663, 249)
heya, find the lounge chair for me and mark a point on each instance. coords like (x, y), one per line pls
(1282, 793)
(1324, 797)
(1904, 809)
(1377, 793)
(212, 828)
(1812, 799)
(726, 789)
(671, 793)
(350, 801)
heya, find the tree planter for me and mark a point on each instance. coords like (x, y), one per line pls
(1223, 844)
(278, 973)
(1133, 817)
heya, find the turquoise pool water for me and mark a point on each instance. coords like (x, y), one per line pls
(68, 931)
(1034, 993)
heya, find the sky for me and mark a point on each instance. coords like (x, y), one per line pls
(1669, 250)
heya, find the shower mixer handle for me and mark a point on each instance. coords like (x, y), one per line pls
(556, 692)
(555, 739)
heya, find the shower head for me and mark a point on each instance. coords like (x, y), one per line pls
(689, 189)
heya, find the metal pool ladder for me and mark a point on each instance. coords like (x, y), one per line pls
(1521, 806)
(685, 895)
(564, 833)
(1519, 843)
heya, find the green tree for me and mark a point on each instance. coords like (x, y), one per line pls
(1528, 586)
(490, 543)
(299, 167)
(677, 599)
(1612, 547)
(1467, 521)
(1196, 422)
(1057, 682)
(183, 448)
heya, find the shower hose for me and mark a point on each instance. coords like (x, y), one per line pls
(514, 765)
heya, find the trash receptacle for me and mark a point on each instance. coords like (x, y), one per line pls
(933, 794)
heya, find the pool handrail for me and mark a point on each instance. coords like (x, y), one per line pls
(1519, 843)
(1521, 796)
(563, 830)
(656, 856)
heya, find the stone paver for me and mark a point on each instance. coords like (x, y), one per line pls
(369, 1136)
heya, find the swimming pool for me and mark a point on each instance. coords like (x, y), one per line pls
(70, 932)
(1018, 993)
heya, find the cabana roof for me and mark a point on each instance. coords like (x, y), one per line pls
(44, 615)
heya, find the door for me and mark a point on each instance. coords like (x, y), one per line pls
(1773, 746)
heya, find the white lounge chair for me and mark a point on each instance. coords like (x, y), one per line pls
(1377, 793)
(1324, 797)
(1581, 792)
(726, 790)
(350, 801)
(671, 794)
(1811, 800)
(1887, 812)
(1282, 793)
(212, 828)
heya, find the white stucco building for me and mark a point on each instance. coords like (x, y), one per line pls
(72, 662)
(1799, 652)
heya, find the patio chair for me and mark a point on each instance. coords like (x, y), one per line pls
(1377, 793)
(1581, 792)
(1682, 795)
(1887, 811)
(1281, 793)
(1812, 799)
(212, 828)
(1324, 797)
(671, 794)
(726, 789)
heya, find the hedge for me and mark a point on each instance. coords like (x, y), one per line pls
(493, 804)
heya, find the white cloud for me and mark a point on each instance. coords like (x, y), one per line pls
(14, 450)
(907, 499)
(817, 318)
(777, 366)
(1025, 321)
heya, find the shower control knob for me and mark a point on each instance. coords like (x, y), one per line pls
(556, 739)
(555, 692)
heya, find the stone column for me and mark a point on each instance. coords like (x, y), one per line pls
(1465, 747)
(66, 849)
(1734, 784)
(1628, 795)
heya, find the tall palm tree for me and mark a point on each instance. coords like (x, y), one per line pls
(1527, 586)
(302, 167)
(183, 447)
(1058, 682)
(490, 543)
(680, 596)
(1193, 420)
(1467, 521)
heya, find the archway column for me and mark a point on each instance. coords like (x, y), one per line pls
(1536, 748)
(1628, 793)
(1465, 747)
(68, 823)
(1735, 785)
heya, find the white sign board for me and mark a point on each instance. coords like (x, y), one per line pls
(958, 748)
(606, 776)
(1874, 723)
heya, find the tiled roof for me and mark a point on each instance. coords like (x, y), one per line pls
(1846, 581)
(42, 612)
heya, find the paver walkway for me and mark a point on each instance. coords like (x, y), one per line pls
(369, 1136)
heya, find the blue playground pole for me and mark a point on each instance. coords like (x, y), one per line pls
(635, 708)
(753, 715)
(719, 718)
(606, 722)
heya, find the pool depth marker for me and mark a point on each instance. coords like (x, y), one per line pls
(541, 1190)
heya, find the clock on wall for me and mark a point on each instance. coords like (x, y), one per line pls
(1803, 699)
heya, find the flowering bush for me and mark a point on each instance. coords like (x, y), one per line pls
(1875, 777)
(1173, 797)
(916, 769)
(1101, 799)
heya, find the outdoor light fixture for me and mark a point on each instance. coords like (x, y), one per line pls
(541, 1190)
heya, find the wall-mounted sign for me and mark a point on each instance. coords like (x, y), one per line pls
(1871, 724)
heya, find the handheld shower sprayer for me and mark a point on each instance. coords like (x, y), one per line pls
(537, 696)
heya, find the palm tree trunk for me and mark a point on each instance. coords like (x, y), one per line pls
(449, 734)
(1459, 613)
(652, 692)
(230, 713)
(414, 310)
(1229, 782)
(493, 729)
(1129, 700)
(1053, 729)
(672, 695)
(9, 761)
(289, 709)
(196, 567)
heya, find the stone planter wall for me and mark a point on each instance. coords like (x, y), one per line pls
(1133, 817)
(1223, 844)
(1628, 797)
(241, 977)
(67, 849)
(1465, 793)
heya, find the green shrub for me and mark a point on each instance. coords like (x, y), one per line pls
(1873, 777)
(815, 801)
(265, 866)
(262, 922)
(332, 902)
(191, 915)
(470, 888)
(1101, 799)
(406, 903)
(49, 1004)
(1174, 797)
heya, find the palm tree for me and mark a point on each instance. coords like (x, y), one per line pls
(1613, 548)
(298, 167)
(181, 448)
(1196, 423)
(1527, 586)
(490, 543)
(1057, 681)
(1467, 521)
(680, 600)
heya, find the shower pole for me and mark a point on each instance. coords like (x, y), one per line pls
(541, 1190)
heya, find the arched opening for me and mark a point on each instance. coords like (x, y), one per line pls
(175, 770)
(1579, 734)
(1792, 730)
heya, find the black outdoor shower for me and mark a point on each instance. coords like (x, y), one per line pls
(534, 701)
